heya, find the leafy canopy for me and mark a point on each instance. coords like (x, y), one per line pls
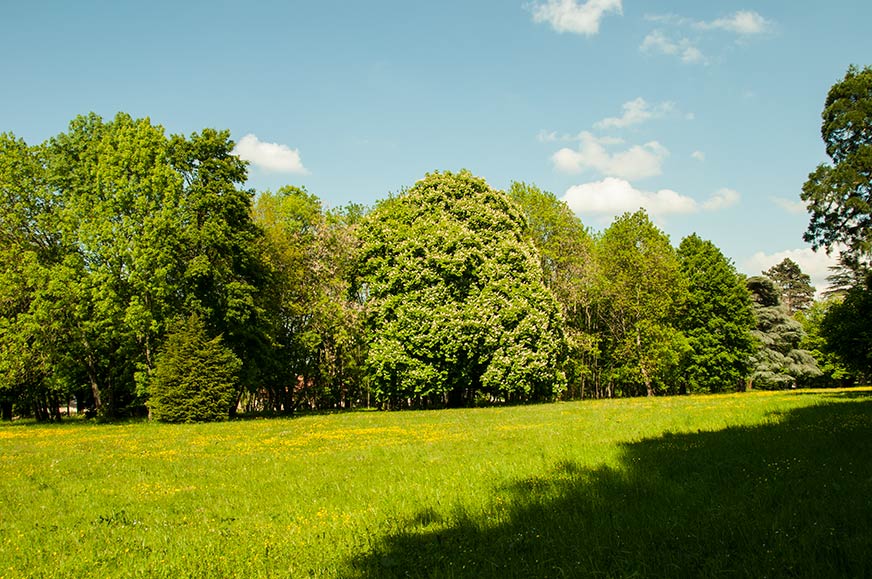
(457, 306)
(839, 195)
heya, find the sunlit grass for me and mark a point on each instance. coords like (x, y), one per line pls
(413, 493)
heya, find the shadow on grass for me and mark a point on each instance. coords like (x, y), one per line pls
(790, 498)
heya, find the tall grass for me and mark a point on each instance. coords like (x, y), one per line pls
(758, 484)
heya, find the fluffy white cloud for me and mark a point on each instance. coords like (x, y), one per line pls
(573, 16)
(789, 205)
(683, 48)
(636, 111)
(743, 23)
(722, 199)
(698, 156)
(637, 162)
(611, 197)
(269, 156)
(815, 263)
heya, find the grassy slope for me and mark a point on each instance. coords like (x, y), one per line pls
(740, 485)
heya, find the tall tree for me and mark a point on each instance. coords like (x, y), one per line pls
(644, 291)
(779, 361)
(29, 247)
(315, 321)
(217, 247)
(566, 253)
(457, 306)
(793, 285)
(847, 330)
(833, 370)
(717, 319)
(839, 195)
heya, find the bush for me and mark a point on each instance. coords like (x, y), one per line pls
(195, 377)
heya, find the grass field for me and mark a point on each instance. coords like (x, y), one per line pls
(753, 485)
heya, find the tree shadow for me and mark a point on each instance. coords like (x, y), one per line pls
(790, 498)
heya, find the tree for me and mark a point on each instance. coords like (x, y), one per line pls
(195, 378)
(793, 285)
(839, 195)
(847, 330)
(33, 341)
(717, 319)
(220, 271)
(833, 371)
(566, 253)
(644, 291)
(779, 362)
(119, 211)
(456, 305)
(314, 320)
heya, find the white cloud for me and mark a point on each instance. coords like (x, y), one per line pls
(722, 199)
(637, 162)
(698, 155)
(815, 263)
(636, 111)
(789, 205)
(683, 48)
(612, 197)
(743, 23)
(573, 16)
(269, 156)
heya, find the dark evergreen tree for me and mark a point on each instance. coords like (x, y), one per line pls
(779, 362)
(793, 285)
(839, 195)
(195, 377)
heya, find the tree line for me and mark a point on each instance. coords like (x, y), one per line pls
(140, 276)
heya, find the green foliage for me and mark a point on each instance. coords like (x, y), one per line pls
(566, 253)
(115, 229)
(195, 378)
(793, 285)
(839, 195)
(779, 361)
(457, 307)
(644, 291)
(315, 322)
(833, 371)
(847, 330)
(717, 319)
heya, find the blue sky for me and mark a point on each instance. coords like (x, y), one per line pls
(706, 113)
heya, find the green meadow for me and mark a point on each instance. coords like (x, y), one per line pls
(752, 485)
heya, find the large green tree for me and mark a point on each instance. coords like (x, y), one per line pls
(29, 246)
(644, 292)
(839, 195)
(717, 319)
(111, 229)
(566, 253)
(847, 330)
(793, 285)
(314, 320)
(779, 361)
(833, 370)
(457, 306)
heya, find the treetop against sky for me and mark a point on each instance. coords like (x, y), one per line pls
(707, 115)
